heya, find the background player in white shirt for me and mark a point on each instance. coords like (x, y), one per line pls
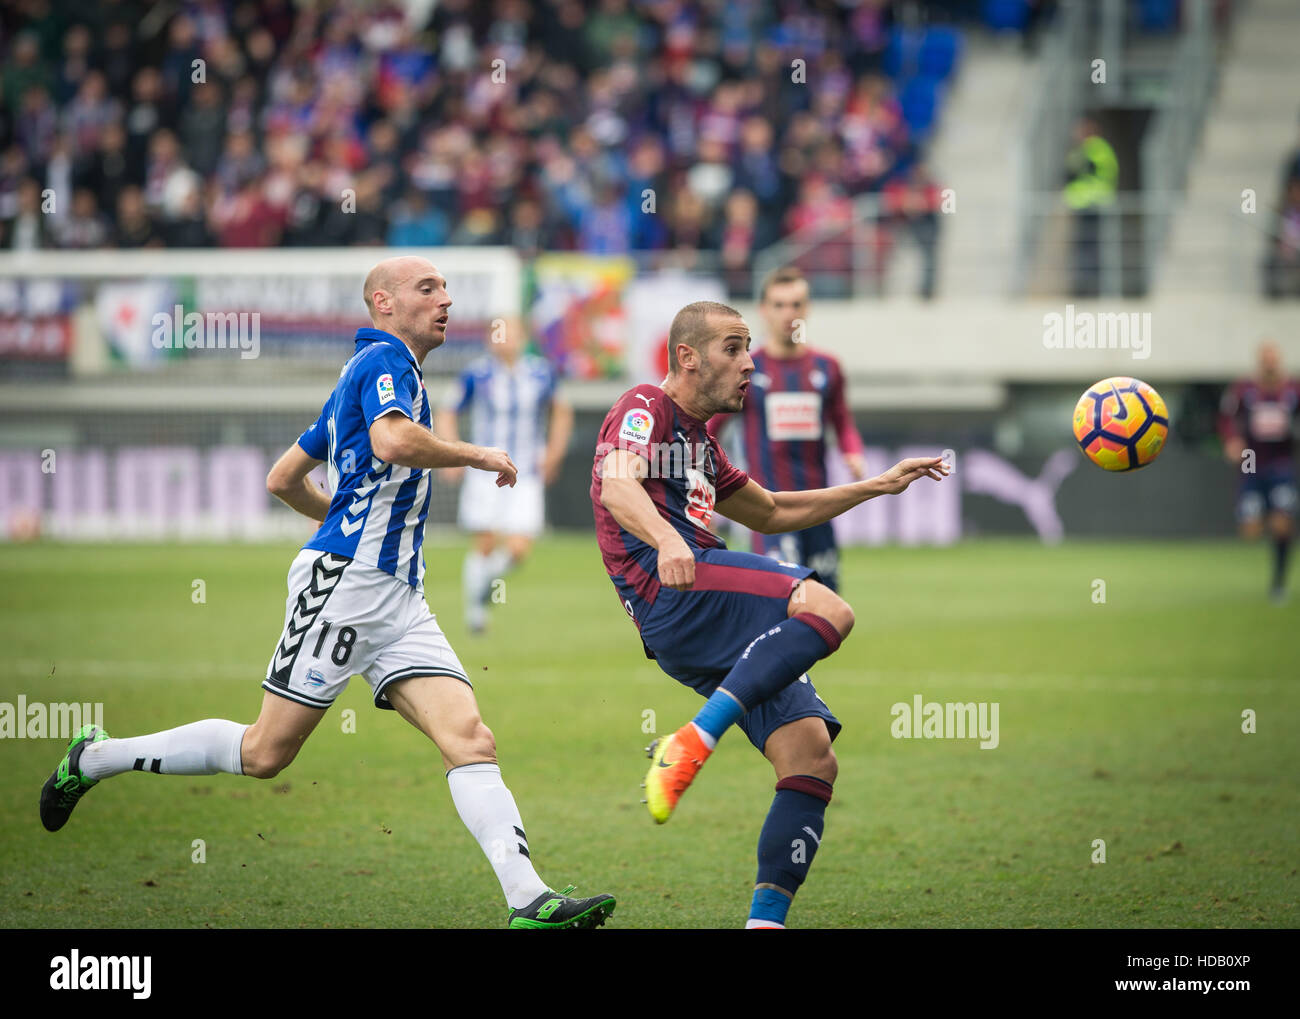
(513, 400)
(356, 604)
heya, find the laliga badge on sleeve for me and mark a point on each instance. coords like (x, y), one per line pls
(637, 426)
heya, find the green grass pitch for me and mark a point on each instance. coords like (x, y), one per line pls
(1119, 721)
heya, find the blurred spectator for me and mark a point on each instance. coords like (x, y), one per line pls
(742, 234)
(203, 126)
(108, 171)
(912, 203)
(29, 229)
(134, 227)
(86, 117)
(188, 227)
(24, 71)
(83, 227)
(417, 224)
(1092, 175)
(36, 125)
(247, 219)
(1282, 263)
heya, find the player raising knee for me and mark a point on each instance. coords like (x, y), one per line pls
(739, 628)
(1257, 423)
(356, 604)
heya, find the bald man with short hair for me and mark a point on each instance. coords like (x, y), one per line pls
(356, 603)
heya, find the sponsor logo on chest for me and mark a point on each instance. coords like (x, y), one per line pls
(793, 416)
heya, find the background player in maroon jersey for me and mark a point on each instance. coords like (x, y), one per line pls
(740, 629)
(796, 396)
(1257, 423)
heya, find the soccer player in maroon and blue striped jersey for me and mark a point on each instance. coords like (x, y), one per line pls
(1257, 421)
(740, 629)
(796, 397)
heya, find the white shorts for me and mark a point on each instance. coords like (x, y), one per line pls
(343, 619)
(484, 507)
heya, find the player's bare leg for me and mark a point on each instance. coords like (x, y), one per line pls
(272, 742)
(519, 546)
(800, 752)
(445, 710)
(260, 750)
(817, 621)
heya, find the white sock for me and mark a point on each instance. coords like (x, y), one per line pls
(489, 812)
(200, 748)
(474, 578)
(499, 563)
(707, 739)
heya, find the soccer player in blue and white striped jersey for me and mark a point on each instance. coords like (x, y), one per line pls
(356, 603)
(513, 401)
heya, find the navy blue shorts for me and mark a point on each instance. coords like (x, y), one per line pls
(696, 636)
(1272, 491)
(813, 546)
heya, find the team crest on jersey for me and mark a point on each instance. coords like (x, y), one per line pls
(637, 426)
(387, 394)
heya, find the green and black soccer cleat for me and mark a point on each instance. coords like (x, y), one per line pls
(67, 785)
(555, 910)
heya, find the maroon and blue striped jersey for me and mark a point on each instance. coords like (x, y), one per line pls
(688, 474)
(792, 403)
(1264, 418)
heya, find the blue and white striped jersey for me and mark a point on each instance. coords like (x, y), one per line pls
(377, 514)
(507, 405)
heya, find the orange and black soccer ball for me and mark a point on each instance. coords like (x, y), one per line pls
(1121, 423)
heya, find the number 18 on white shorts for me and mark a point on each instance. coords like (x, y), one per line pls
(343, 618)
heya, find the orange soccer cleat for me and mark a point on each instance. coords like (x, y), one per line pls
(675, 760)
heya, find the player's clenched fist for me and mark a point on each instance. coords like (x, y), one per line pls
(498, 460)
(676, 565)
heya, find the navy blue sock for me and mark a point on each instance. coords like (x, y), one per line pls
(1281, 549)
(773, 660)
(787, 844)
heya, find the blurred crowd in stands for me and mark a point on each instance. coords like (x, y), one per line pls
(602, 126)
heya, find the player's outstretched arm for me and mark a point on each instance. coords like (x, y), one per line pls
(622, 492)
(781, 512)
(396, 439)
(289, 483)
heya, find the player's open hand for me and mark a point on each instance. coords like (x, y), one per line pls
(903, 473)
(498, 460)
(676, 565)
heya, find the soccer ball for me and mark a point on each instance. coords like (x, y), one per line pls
(1121, 423)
